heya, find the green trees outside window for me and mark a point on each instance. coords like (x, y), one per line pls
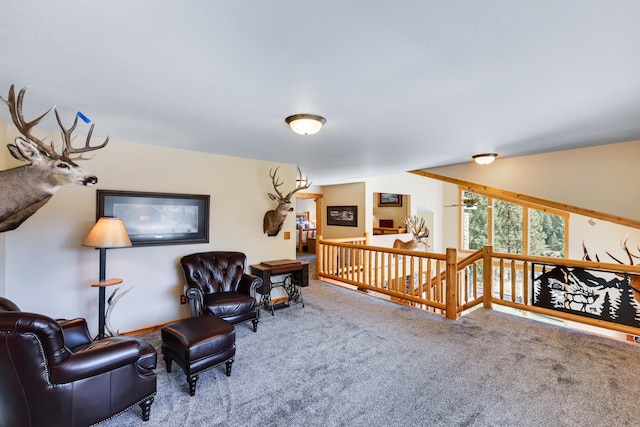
(513, 227)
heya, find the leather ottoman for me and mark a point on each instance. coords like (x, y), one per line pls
(198, 343)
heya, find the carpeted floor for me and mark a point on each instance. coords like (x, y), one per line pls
(347, 359)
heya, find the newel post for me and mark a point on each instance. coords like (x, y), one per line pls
(452, 283)
(319, 255)
(487, 275)
(367, 242)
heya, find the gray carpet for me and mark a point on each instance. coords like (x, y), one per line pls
(347, 359)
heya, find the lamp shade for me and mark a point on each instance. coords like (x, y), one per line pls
(484, 159)
(305, 124)
(108, 233)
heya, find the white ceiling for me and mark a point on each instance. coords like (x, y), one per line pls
(403, 85)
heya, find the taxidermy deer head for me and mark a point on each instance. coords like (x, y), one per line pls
(25, 189)
(273, 219)
(420, 234)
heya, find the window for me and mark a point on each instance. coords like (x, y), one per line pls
(512, 227)
(547, 235)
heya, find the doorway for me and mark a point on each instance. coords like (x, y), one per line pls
(309, 220)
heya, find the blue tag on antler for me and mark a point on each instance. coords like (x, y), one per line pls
(84, 118)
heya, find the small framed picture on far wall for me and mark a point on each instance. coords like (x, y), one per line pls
(389, 200)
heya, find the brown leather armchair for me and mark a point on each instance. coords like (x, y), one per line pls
(216, 284)
(53, 374)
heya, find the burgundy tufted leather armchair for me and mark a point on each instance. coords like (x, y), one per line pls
(216, 284)
(53, 374)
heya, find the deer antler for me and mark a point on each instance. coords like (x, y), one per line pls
(301, 184)
(68, 149)
(24, 127)
(276, 184)
(623, 245)
(415, 227)
(585, 252)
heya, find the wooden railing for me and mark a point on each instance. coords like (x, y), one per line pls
(418, 277)
(444, 284)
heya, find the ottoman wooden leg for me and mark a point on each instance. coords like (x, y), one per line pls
(167, 363)
(192, 380)
(228, 364)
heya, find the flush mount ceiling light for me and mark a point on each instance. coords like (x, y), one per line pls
(484, 159)
(305, 124)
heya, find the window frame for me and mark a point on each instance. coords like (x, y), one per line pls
(525, 218)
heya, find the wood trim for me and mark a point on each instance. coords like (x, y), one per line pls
(628, 222)
(308, 196)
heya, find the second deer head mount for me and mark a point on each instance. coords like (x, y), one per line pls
(273, 219)
(420, 234)
(25, 189)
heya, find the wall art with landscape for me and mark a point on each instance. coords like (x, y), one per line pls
(596, 294)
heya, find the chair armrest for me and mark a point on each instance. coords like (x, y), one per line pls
(76, 332)
(99, 357)
(196, 300)
(249, 284)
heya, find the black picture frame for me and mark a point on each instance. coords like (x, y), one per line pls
(346, 216)
(157, 218)
(389, 200)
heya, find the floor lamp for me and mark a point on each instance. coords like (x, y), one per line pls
(107, 233)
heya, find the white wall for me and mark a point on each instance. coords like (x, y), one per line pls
(4, 164)
(46, 269)
(451, 216)
(601, 238)
(425, 200)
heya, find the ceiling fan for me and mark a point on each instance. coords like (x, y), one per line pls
(468, 204)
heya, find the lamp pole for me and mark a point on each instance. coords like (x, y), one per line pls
(106, 233)
(101, 292)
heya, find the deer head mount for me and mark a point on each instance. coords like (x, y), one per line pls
(420, 234)
(25, 189)
(273, 219)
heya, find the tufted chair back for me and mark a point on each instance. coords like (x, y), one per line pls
(216, 284)
(213, 272)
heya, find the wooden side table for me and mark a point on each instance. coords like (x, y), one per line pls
(101, 300)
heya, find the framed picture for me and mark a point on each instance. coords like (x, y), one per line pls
(342, 215)
(389, 200)
(158, 218)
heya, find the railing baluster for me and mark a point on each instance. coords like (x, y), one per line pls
(501, 278)
(438, 293)
(513, 280)
(376, 270)
(428, 280)
(525, 283)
